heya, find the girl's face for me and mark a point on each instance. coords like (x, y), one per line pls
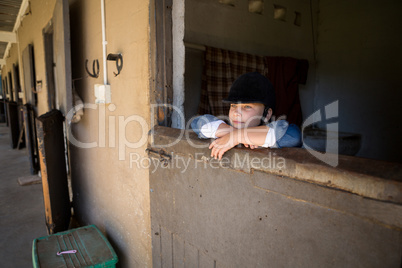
(243, 115)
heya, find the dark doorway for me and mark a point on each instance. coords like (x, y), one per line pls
(49, 65)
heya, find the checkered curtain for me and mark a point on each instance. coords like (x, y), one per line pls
(221, 69)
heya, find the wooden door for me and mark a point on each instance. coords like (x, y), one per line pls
(30, 108)
(53, 168)
(50, 126)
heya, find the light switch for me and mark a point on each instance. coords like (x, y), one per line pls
(103, 94)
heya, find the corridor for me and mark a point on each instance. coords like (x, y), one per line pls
(21, 207)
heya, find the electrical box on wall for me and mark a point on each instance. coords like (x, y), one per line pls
(103, 94)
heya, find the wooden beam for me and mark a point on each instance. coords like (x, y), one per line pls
(21, 14)
(8, 37)
(164, 62)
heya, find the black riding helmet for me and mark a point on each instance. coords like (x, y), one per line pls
(252, 88)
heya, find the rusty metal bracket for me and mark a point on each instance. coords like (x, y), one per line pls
(118, 58)
(163, 157)
(95, 68)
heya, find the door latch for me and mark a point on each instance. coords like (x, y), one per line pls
(163, 157)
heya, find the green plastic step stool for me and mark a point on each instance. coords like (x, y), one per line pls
(80, 247)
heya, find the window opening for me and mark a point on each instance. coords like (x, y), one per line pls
(49, 65)
(297, 20)
(256, 6)
(17, 86)
(279, 12)
(28, 64)
(10, 87)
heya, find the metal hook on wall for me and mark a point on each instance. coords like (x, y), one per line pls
(95, 73)
(119, 62)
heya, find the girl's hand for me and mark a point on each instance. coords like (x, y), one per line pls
(222, 145)
(251, 146)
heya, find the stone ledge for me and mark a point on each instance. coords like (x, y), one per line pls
(369, 178)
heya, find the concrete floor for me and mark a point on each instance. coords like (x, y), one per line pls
(22, 214)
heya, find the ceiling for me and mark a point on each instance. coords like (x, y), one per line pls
(10, 14)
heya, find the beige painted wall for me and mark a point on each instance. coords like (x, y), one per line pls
(30, 32)
(107, 191)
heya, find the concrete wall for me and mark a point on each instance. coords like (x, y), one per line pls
(268, 208)
(359, 59)
(108, 191)
(207, 22)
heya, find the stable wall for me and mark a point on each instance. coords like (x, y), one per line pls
(30, 32)
(107, 191)
(359, 56)
(270, 207)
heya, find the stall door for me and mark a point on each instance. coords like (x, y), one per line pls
(30, 108)
(53, 169)
(50, 126)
